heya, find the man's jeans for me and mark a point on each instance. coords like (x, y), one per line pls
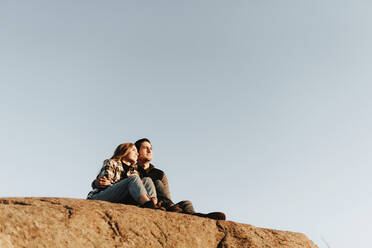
(132, 186)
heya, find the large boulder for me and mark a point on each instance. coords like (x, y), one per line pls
(61, 222)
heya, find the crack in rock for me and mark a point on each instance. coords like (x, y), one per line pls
(136, 233)
(259, 235)
(52, 202)
(69, 210)
(113, 225)
(6, 202)
(21, 203)
(221, 229)
(162, 232)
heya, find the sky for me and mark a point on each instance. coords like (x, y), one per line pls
(260, 109)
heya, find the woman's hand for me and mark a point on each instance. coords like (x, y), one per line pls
(102, 182)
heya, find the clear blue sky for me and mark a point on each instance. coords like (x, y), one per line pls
(260, 109)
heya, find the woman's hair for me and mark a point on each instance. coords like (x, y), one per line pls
(122, 150)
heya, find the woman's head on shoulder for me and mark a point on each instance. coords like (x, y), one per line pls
(126, 152)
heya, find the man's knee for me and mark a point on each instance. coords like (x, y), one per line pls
(147, 180)
(159, 184)
(134, 179)
(160, 190)
(186, 206)
(185, 203)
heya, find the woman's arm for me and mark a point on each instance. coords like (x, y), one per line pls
(105, 176)
(102, 182)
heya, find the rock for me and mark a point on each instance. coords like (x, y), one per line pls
(61, 222)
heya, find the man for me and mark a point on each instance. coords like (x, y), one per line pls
(159, 178)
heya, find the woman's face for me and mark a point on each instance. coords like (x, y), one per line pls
(132, 155)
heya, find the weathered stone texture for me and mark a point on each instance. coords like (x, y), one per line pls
(61, 222)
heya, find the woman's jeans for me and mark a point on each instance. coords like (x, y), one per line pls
(132, 186)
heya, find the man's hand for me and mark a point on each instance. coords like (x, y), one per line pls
(102, 182)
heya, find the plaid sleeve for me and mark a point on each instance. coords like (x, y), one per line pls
(107, 170)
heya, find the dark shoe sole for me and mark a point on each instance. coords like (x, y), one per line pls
(212, 215)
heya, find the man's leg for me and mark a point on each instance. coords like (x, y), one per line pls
(163, 199)
(186, 207)
(160, 191)
(150, 188)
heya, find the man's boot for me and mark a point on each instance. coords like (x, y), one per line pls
(212, 215)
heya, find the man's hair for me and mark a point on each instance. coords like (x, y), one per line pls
(122, 151)
(139, 142)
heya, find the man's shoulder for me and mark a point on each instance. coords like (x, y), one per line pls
(155, 172)
(153, 167)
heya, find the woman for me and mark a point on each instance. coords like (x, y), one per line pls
(119, 178)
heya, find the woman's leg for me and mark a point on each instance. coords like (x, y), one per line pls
(118, 192)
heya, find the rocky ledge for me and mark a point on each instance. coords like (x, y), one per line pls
(61, 222)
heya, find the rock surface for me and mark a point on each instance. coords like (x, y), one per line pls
(61, 222)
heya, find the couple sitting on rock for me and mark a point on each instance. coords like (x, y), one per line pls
(129, 177)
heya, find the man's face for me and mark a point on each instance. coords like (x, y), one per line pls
(145, 152)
